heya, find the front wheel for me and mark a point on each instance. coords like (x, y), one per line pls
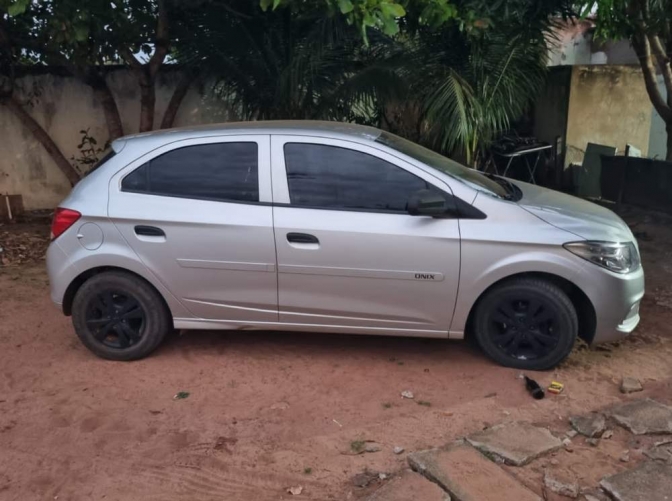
(526, 323)
(119, 316)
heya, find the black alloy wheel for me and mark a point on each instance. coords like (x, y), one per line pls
(115, 319)
(525, 327)
(526, 323)
(120, 316)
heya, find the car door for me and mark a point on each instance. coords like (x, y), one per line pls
(349, 254)
(198, 215)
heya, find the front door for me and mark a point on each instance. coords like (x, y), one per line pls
(349, 254)
(198, 215)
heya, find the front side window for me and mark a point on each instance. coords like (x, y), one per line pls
(432, 159)
(330, 177)
(216, 171)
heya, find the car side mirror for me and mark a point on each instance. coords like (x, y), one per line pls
(429, 203)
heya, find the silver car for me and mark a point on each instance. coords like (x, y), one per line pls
(331, 227)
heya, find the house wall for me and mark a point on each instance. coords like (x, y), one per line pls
(608, 105)
(573, 43)
(64, 106)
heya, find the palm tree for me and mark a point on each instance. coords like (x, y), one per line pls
(473, 87)
(448, 88)
(293, 63)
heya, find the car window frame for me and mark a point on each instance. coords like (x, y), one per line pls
(281, 194)
(263, 166)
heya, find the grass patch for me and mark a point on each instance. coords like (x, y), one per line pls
(425, 403)
(357, 446)
(307, 471)
(387, 405)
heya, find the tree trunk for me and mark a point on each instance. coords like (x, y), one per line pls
(103, 94)
(147, 103)
(176, 100)
(668, 129)
(43, 138)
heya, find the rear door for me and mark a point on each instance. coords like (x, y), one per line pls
(349, 254)
(198, 215)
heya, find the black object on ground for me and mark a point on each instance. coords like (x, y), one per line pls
(533, 387)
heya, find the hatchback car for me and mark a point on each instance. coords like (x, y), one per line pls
(331, 227)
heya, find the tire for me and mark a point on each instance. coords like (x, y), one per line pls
(119, 316)
(526, 323)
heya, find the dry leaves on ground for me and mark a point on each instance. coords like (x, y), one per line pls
(22, 246)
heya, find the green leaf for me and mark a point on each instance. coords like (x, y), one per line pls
(392, 9)
(345, 6)
(276, 3)
(81, 33)
(18, 7)
(390, 26)
(265, 4)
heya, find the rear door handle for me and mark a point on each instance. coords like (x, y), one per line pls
(302, 238)
(149, 231)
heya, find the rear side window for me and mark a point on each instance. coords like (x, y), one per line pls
(330, 177)
(217, 171)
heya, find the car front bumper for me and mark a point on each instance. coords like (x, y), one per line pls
(616, 299)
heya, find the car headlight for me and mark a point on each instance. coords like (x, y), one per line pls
(617, 257)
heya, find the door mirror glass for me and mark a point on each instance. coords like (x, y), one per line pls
(429, 203)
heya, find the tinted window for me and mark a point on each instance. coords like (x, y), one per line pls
(333, 177)
(221, 171)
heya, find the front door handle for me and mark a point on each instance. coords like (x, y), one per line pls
(149, 231)
(302, 238)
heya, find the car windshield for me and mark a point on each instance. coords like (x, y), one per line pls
(428, 157)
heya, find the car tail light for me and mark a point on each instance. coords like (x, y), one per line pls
(63, 219)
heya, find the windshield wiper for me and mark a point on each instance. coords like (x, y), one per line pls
(513, 193)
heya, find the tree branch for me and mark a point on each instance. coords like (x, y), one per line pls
(640, 42)
(176, 99)
(162, 40)
(4, 34)
(130, 59)
(663, 63)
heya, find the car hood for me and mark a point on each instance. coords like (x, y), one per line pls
(575, 215)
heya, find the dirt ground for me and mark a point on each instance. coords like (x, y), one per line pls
(269, 411)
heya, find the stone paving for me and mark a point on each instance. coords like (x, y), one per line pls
(467, 475)
(468, 470)
(643, 417)
(409, 485)
(590, 426)
(515, 443)
(651, 481)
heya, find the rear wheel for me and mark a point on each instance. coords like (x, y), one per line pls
(119, 316)
(526, 323)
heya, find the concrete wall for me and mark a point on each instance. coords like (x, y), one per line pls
(64, 106)
(607, 105)
(573, 43)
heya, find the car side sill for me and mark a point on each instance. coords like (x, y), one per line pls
(198, 324)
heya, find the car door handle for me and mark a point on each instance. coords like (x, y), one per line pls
(149, 231)
(302, 238)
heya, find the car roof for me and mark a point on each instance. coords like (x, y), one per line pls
(295, 127)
